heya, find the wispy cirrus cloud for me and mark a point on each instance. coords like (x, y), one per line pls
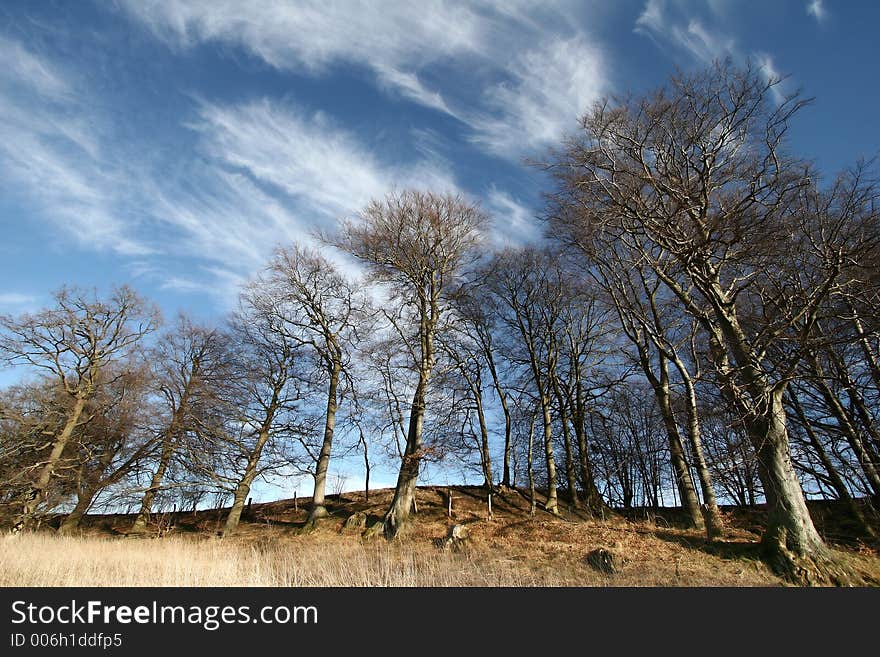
(549, 88)
(272, 173)
(31, 72)
(544, 89)
(266, 173)
(394, 42)
(16, 301)
(514, 223)
(306, 156)
(673, 23)
(816, 9)
(50, 154)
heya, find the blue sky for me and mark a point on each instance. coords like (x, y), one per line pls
(173, 144)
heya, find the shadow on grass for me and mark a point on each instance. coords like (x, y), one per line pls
(738, 550)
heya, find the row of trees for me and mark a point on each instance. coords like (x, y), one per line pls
(702, 323)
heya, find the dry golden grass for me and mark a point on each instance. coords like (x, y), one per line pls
(512, 549)
(529, 554)
(307, 561)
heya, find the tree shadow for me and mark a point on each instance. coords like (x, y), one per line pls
(724, 548)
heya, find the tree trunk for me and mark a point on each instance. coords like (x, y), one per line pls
(508, 423)
(143, 516)
(485, 454)
(683, 481)
(366, 474)
(243, 489)
(870, 358)
(863, 455)
(711, 513)
(857, 402)
(475, 384)
(570, 469)
(508, 445)
(552, 504)
(595, 504)
(38, 490)
(791, 542)
(405, 490)
(317, 509)
(83, 502)
(531, 466)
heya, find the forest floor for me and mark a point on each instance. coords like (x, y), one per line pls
(512, 548)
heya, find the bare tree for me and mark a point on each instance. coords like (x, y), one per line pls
(31, 413)
(479, 323)
(113, 444)
(190, 366)
(74, 342)
(418, 244)
(694, 180)
(656, 328)
(469, 367)
(320, 310)
(264, 399)
(530, 289)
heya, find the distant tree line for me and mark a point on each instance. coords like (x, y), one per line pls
(701, 324)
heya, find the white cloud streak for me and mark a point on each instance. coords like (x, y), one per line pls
(768, 70)
(51, 158)
(550, 88)
(543, 90)
(685, 32)
(16, 300)
(393, 41)
(817, 10)
(274, 174)
(671, 22)
(513, 223)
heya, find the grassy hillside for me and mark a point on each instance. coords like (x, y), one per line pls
(510, 549)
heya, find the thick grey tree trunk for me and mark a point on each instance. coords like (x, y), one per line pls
(143, 516)
(37, 492)
(74, 518)
(318, 510)
(711, 513)
(243, 489)
(790, 540)
(683, 481)
(791, 543)
(405, 490)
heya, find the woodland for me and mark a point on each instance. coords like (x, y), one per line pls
(699, 328)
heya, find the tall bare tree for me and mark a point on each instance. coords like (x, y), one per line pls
(321, 310)
(114, 443)
(74, 342)
(694, 180)
(479, 323)
(529, 287)
(190, 366)
(418, 244)
(264, 399)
